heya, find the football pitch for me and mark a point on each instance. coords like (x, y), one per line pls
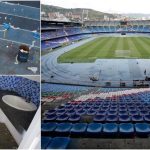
(108, 47)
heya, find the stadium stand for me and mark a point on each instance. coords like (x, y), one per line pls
(26, 88)
(95, 112)
(80, 114)
(54, 36)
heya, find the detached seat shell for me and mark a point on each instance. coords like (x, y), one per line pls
(59, 143)
(45, 141)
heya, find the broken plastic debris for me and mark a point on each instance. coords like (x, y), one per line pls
(33, 69)
(16, 62)
(33, 42)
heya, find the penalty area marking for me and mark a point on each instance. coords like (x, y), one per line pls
(122, 53)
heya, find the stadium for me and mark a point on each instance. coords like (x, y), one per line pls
(84, 51)
(95, 84)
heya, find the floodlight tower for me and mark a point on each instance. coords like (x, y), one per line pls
(83, 16)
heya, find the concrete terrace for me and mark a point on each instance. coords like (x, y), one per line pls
(24, 21)
(20, 10)
(6, 139)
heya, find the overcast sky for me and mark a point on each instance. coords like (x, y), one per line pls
(115, 6)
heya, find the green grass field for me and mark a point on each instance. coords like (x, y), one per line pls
(109, 47)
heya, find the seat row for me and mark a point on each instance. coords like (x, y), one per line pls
(98, 118)
(107, 106)
(93, 101)
(97, 112)
(96, 109)
(96, 129)
(104, 104)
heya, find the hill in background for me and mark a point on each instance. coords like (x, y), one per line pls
(77, 13)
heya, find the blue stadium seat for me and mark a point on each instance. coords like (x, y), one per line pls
(81, 112)
(137, 118)
(99, 118)
(113, 104)
(79, 129)
(130, 104)
(122, 104)
(62, 118)
(48, 128)
(89, 104)
(124, 118)
(63, 129)
(142, 129)
(122, 113)
(86, 107)
(77, 108)
(60, 107)
(126, 129)
(59, 143)
(140, 108)
(91, 112)
(50, 112)
(144, 112)
(68, 107)
(112, 118)
(106, 105)
(132, 112)
(70, 112)
(110, 129)
(101, 112)
(74, 118)
(105, 108)
(45, 141)
(50, 118)
(96, 108)
(82, 104)
(113, 108)
(67, 104)
(131, 108)
(112, 112)
(94, 129)
(60, 112)
(122, 108)
(147, 118)
(138, 104)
